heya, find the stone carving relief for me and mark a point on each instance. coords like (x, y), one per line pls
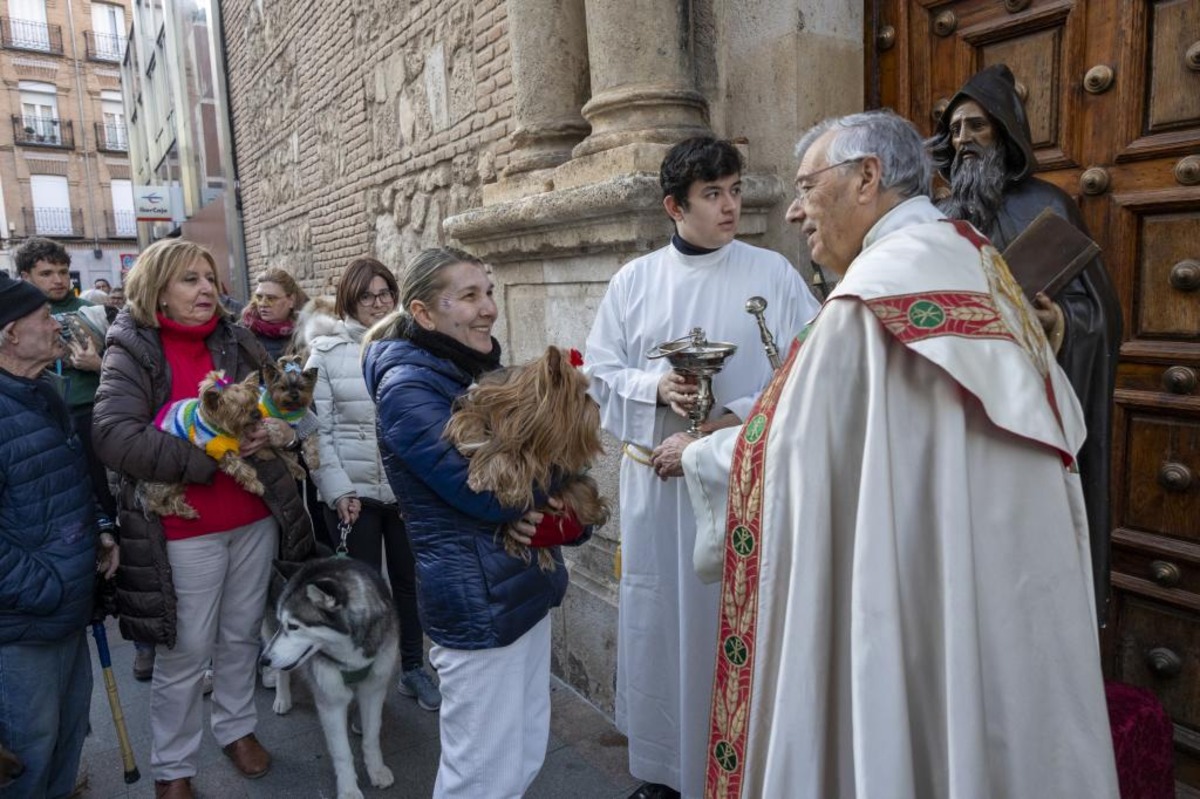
(274, 97)
(329, 147)
(289, 245)
(279, 180)
(408, 213)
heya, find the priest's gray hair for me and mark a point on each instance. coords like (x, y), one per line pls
(905, 165)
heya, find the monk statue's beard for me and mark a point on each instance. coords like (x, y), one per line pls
(977, 186)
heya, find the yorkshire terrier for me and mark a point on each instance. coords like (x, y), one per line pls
(215, 422)
(287, 394)
(528, 428)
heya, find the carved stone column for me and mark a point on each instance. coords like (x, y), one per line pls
(640, 63)
(548, 41)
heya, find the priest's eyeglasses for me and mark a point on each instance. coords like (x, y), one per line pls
(802, 190)
(385, 297)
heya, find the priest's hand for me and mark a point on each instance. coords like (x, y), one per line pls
(726, 420)
(667, 459)
(1050, 316)
(678, 391)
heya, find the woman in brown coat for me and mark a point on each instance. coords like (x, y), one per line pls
(196, 588)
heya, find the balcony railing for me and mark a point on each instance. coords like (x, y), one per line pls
(24, 34)
(35, 131)
(60, 222)
(121, 224)
(104, 46)
(111, 137)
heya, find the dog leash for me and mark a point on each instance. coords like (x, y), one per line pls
(343, 551)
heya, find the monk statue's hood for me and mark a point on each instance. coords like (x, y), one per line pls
(994, 88)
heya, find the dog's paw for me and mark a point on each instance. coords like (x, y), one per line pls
(381, 777)
(281, 705)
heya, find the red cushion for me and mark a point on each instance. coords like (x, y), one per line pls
(556, 528)
(1142, 742)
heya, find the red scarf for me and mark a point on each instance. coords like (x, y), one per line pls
(223, 504)
(261, 327)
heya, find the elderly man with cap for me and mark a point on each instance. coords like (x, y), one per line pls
(49, 545)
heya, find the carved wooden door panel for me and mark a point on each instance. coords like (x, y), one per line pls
(1112, 91)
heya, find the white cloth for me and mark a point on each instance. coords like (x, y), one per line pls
(907, 613)
(349, 449)
(495, 716)
(220, 584)
(667, 618)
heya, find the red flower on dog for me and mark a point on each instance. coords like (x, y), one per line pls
(576, 358)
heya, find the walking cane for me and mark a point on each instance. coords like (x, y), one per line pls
(114, 702)
(103, 606)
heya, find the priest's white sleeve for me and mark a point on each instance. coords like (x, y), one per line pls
(706, 466)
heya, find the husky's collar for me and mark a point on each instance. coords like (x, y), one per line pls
(356, 676)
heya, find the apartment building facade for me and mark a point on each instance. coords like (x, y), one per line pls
(64, 166)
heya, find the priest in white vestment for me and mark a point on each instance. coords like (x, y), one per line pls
(906, 608)
(667, 617)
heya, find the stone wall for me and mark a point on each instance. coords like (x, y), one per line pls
(361, 125)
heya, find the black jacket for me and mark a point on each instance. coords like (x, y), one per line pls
(1089, 302)
(135, 382)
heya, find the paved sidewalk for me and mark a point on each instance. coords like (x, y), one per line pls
(586, 759)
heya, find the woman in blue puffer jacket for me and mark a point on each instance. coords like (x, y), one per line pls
(486, 611)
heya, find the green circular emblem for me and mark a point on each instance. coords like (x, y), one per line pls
(926, 314)
(735, 651)
(755, 428)
(743, 541)
(726, 757)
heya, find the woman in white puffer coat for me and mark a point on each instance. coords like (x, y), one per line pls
(350, 480)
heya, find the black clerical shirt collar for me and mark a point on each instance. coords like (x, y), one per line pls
(687, 248)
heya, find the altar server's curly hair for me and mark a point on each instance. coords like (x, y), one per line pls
(700, 158)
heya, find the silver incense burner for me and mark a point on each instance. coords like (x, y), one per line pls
(694, 355)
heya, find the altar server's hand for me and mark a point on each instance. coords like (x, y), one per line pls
(678, 391)
(1050, 315)
(667, 459)
(726, 420)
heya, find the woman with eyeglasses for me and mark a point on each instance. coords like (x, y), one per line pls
(271, 313)
(351, 481)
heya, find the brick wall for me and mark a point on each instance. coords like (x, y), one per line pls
(361, 125)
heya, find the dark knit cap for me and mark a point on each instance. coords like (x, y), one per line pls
(18, 299)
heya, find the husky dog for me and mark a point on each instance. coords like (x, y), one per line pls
(334, 620)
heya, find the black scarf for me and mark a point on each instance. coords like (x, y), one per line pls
(470, 360)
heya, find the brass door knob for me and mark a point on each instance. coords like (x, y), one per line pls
(1187, 171)
(1175, 477)
(1098, 79)
(1164, 573)
(1192, 57)
(1185, 275)
(1180, 380)
(1163, 662)
(945, 23)
(886, 39)
(1094, 181)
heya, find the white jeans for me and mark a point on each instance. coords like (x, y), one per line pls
(495, 716)
(221, 590)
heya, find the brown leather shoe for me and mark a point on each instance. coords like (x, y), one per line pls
(249, 756)
(173, 789)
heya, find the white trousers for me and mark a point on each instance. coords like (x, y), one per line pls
(495, 716)
(221, 590)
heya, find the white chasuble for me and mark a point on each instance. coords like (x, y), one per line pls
(667, 619)
(906, 606)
